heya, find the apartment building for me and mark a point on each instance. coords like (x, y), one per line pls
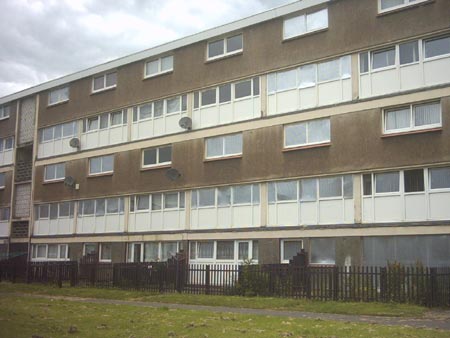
(322, 125)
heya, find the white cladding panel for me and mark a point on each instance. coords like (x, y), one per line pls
(55, 147)
(104, 137)
(62, 226)
(100, 224)
(4, 228)
(439, 205)
(167, 124)
(415, 207)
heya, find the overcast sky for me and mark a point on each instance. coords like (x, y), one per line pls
(44, 39)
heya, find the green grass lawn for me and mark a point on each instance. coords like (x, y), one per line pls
(380, 309)
(40, 317)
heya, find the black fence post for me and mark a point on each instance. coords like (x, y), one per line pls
(207, 279)
(28, 272)
(14, 272)
(73, 270)
(92, 274)
(433, 301)
(335, 283)
(60, 274)
(383, 284)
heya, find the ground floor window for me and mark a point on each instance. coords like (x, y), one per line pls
(231, 251)
(49, 252)
(323, 251)
(105, 252)
(152, 251)
(290, 248)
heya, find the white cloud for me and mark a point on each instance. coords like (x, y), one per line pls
(42, 40)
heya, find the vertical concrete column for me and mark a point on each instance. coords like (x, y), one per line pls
(187, 209)
(355, 76)
(190, 104)
(75, 216)
(263, 204)
(126, 212)
(357, 197)
(129, 112)
(263, 95)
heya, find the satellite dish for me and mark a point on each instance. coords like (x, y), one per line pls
(74, 142)
(185, 123)
(69, 181)
(172, 174)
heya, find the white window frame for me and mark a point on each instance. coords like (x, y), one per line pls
(380, 69)
(434, 190)
(225, 53)
(5, 112)
(74, 132)
(104, 82)
(390, 193)
(137, 109)
(3, 143)
(3, 184)
(282, 260)
(411, 127)
(101, 172)
(55, 179)
(157, 164)
(253, 202)
(60, 95)
(238, 154)
(406, 3)
(131, 246)
(160, 71)
(2, 212)
(305, 15)
(307, 144)
(101, 251)
(134, 199)
(109, 115)
(436, 57)
(59, 258)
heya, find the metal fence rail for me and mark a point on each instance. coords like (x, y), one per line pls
(395, 283)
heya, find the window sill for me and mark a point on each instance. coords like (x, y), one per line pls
(295, 37)
(53, 181)
(320, 145)
(222, 158)
(412, 132)
(103, 90)
(153, 76)
(226, 56)
(156, 167)
(57, 103)
(100, 175)
(404, 7)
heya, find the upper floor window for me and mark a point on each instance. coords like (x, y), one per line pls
(439, 178)
(223, 47)
(2, 180)
(4, 214)
(413, 117)
(54, 210)
(384, 58)
(6, 143)
(58, 95)
(159, 66)
(160, 108)
(158, 201)
(225, 196)
(101, 207)
(54, 172)
(389, 5)
(226, 93)
(437, 47)
(104, 121)
(157, 156)
(101, 165)
(309, 75)
(58, 132)
(224, 146)
(307, 133)
(4, 112)
(104, 81)
(305, 23)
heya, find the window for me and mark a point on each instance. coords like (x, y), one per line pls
(89, 249)
(223, 146)
(105, 252)
(308, 190)
(4, 214)
(224, 47)
(106, 120)
(409, 52)
(58, 95)
(206, 197)
(387, 182)
(158, 109)
(54, 210)
(101, 165)
(172, 200)
(307, 133)
(205, 250)
(159, 66)
(157, 156)
(330, 187)
(50, 252)
(413, 117)
(54, 172)
(437, 47)
(367, 184)
(4, 112)
(104, 81)
(414, 180)
(439, 178)
(6, 143)
(363, 62)
(290, 248)
(101, 207)
(242, 194)
(225, 250)
(226, 196)
(383, 58)
(2, 180)
(388, 5)
(305, 23)
(282, 191)
(323, 251)
(58, 132)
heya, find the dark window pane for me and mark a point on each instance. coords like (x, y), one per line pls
(234, 43)
(208, 97)
(242, 89)
(255, 86)
(225, 93)
(409, 52)
(149, 156)
(363, 62)
(165, 154)
(414, 180)
(215, 48)
(367, 184)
